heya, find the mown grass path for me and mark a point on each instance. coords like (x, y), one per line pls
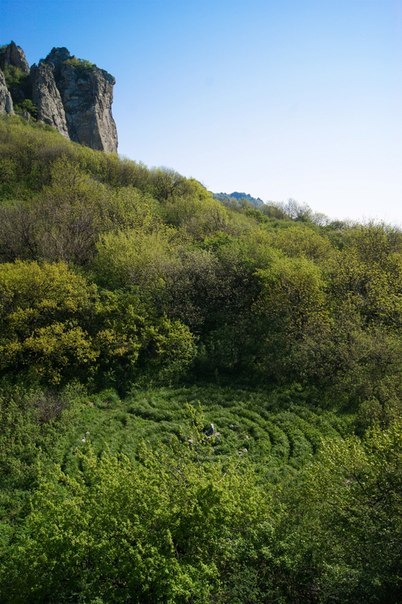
(276, 435)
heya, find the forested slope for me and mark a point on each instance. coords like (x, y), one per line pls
(135, 311)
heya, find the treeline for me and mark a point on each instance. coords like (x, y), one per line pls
(116, 276)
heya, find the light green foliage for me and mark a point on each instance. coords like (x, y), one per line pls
(194, 209)
(293, 292)
(73, 207)
(374, 288)
(69, 214)
(136, 257)
(163, 530)
(293, 316)
(67, 218)
(55, 325)
(128, 208)
(81, 64)
(30, 290)
(301, 240)
(166, 184)
(41, 308)
(344, 540)
(131, 342)
(32, 148)
(273, 299)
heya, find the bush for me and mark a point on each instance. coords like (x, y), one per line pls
(164, 530)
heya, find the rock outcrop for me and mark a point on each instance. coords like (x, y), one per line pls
(13, 55)
(46, 98)
(72, 95)
(88, 114)
(6, 102)
(86, 93)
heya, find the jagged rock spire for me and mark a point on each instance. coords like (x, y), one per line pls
(13, 55)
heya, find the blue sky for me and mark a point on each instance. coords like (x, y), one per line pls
(278, 98)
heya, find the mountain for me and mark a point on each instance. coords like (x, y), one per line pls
(237, 198)
(70, 94)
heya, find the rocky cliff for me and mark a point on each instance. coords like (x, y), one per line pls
(6, 102)
(72, 95)
(13, 55)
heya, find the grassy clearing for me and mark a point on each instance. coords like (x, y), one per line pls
(246, 423)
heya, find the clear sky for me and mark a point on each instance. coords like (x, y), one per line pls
(277, 98)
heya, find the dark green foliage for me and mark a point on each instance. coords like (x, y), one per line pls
(341, 539)
(34, 426)
(163, 530)
(80, 64)
(26, 106)
(17, 83)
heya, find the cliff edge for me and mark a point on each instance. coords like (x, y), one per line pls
(70, 94)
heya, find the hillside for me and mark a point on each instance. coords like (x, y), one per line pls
(199, 401)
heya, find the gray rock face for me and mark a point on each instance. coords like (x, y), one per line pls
(6, 102)
(87, 97)
(13, 55)
(46, 97)
(57, 56)
(72, 95)
(86, 94)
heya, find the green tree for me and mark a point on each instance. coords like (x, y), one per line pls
(342, 530)
(56, 326)
(43, 313)
(292, 317)
(164, 530)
